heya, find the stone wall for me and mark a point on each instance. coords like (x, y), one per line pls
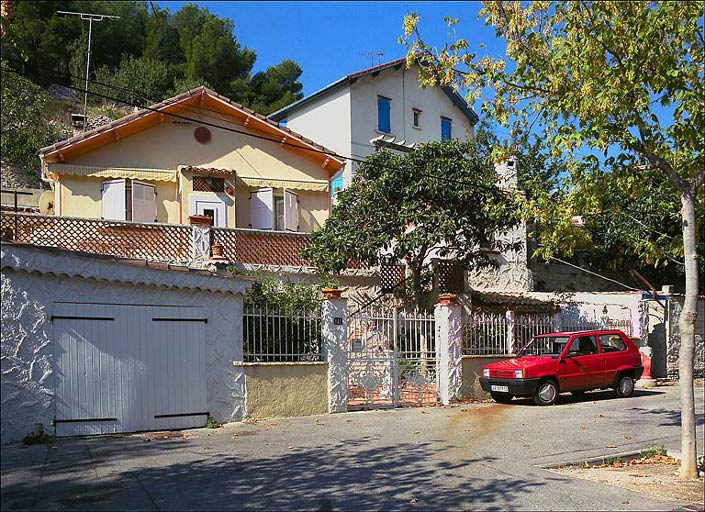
(673, 342)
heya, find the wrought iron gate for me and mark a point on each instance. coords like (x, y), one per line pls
(391, 358)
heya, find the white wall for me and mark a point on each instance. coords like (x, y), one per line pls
(345, 119)
(28, 349)
(326, 120)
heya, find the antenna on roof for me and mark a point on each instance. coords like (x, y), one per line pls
(371, 54)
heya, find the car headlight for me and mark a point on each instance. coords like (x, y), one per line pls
(519, 374)
(485, 372)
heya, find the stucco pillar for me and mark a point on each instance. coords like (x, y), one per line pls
(449, 347)
(334, 324)
(511, 330)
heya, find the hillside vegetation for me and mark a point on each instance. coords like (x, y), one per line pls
(145, 56)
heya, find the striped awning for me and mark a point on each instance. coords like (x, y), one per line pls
(316, 185)
(111, 172)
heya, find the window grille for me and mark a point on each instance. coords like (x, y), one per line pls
(208, 184)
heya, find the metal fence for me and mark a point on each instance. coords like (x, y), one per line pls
(275, 335)
(527, 325)
(488, 333)
(624, 325)
(485, 334)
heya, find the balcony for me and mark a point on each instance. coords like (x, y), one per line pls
(154, 241)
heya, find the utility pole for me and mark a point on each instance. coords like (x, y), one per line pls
(91, 18)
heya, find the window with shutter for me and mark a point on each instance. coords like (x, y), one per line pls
(384, 123)
(291, 211)
(446, 128)
(262, 208)
(144, 202)
(113, 200)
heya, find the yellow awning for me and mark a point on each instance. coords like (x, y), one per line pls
(317, 185)
(112, 172)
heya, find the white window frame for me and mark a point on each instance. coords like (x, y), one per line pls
(218, 204)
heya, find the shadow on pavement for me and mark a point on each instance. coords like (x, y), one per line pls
(590, 396)
(355, 475)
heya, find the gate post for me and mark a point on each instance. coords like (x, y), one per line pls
(511, 331)
(334, 325)
(449, 344)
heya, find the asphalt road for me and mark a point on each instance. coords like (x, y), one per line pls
(469, 456)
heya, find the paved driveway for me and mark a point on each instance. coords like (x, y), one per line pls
(476, 456)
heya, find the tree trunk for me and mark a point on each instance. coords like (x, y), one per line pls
(687, 333)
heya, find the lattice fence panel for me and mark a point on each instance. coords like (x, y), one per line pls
(259, 247)
(158, 242)
(448, 276)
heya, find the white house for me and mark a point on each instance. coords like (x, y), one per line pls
(382, 106)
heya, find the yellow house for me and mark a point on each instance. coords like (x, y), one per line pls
(198, 153)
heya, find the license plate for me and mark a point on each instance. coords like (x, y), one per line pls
(501, 389)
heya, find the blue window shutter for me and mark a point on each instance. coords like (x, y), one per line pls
(446, 128)
(383, 115)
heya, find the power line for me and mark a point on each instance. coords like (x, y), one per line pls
(261, 137)
(594, 273)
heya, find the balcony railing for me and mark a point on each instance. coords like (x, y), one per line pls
(155, 242)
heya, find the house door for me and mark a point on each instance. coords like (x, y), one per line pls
(123, 368)
(210, 207)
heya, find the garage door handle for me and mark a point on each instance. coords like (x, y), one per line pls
(63, 317)
(204, 320)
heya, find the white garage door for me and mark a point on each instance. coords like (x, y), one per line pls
(126, 368)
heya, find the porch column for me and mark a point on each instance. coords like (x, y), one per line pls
(334, 324)
(449, 344)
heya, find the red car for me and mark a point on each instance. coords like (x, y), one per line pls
(565, 361)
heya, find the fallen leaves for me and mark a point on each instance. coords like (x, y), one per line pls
(611, 446)
(627, 437)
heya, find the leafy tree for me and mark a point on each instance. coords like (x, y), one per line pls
(162, 42)
(443, 194)
(276, 87)
(24, 128)
(136, 79)
(621, 78)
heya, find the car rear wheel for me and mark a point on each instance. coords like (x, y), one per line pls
(546, 393)
(625, 386)
(502, 398)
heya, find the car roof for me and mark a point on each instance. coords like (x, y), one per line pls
(586, 331)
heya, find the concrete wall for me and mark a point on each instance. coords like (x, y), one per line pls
(276, 390)
(472, 371)
(28, 348)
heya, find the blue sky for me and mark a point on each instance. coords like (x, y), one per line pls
(332, 39)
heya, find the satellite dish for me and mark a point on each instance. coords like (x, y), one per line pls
(46, 203)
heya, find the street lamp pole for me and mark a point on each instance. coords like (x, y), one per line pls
(91, 18)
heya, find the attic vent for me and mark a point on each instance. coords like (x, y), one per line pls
(202, 135)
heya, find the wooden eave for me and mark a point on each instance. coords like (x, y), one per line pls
(184, 105)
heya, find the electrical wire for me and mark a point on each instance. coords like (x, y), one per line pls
(253, 135)
(594, 274)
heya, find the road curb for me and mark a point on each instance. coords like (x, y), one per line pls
(600, 459)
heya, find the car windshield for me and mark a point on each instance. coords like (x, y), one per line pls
(544, 346)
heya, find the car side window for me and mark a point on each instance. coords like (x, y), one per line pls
(583, 346)
(612, 343)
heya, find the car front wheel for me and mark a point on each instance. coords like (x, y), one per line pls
(546, 393)
(625, 386)
(502, 398)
